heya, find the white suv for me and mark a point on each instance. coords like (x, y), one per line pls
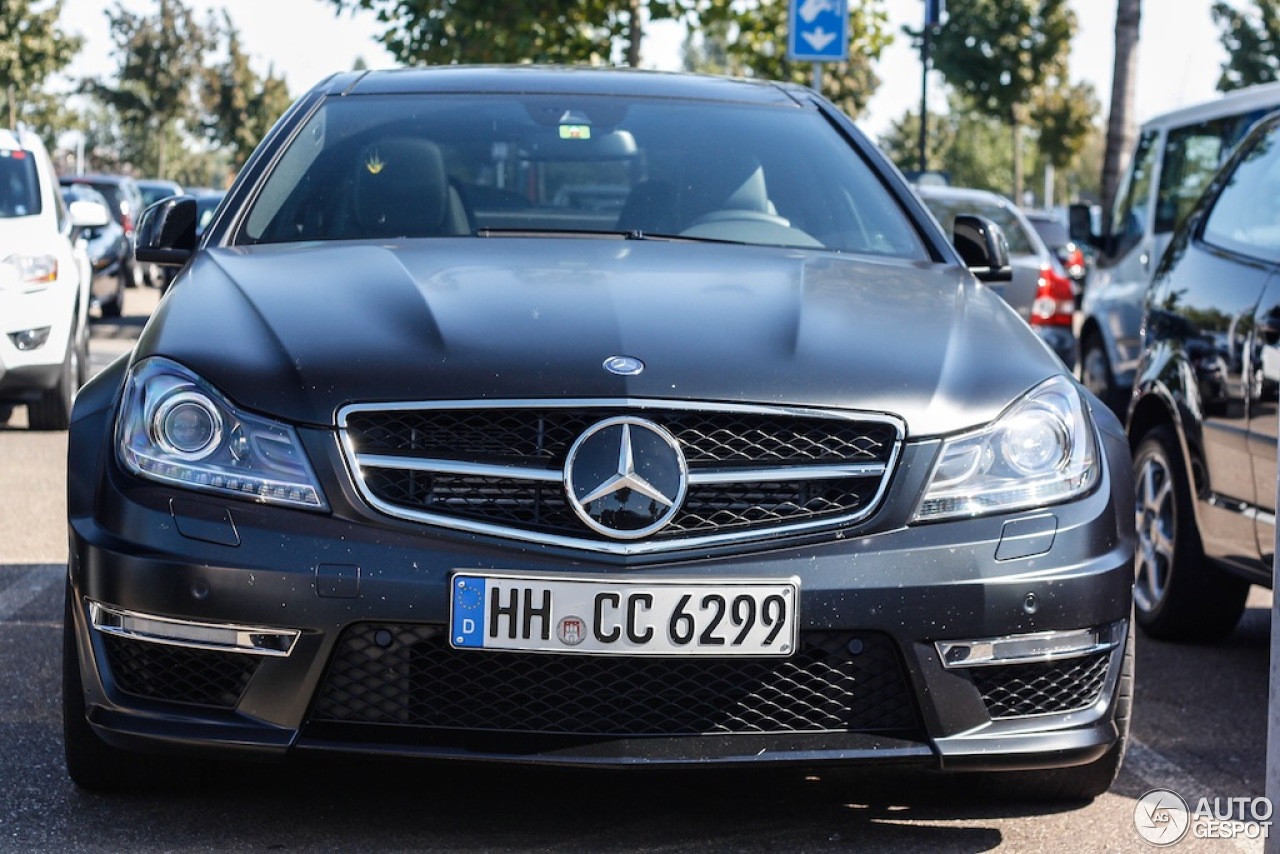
(44, 288)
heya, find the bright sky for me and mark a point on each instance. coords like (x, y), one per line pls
(1178, 54)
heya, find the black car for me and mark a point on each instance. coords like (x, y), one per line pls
(124, 201)
(1204, 410)
(108, 250)
(422, 457)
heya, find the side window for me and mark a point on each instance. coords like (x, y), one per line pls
(1245, 217)
(1191, 156)
(1129, 216)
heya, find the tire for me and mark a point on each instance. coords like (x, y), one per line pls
(1179, 594)
(1096, 375)
(133, 274)
(52, 411)
(115, 306)
(1081, 783)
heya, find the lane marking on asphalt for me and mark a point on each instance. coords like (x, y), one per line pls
(27, 585)
(1158, 771)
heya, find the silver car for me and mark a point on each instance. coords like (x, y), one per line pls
(1040, 291)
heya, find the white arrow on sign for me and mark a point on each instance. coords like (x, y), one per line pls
(811, 9)
(818, 39)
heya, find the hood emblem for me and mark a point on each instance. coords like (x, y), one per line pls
(626, 478)
(374, 163)
(623, 366)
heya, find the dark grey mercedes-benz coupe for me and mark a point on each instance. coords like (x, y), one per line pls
(591, 417)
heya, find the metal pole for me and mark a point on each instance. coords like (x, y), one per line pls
(817, 77)
(926, 47)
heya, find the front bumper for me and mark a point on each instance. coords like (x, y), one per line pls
(365, 604)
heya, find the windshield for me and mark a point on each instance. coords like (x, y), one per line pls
(19, 185)
(375, 167)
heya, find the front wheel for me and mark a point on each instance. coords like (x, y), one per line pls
(1178, 594)
(1095, 372)
(52, 411)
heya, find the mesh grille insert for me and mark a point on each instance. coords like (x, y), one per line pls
(407, 675)
(1019, 690)
(177, 674)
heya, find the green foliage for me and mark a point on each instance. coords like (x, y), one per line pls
(1252, 40)
(240, 105)
(1063, 115)
(32, 47)
(743, 38)
(749, 39)
(998, 53)
(161, 60)
(971, 147)
(974, 149)
(440, 32)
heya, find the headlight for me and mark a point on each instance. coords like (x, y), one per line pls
(175, 428)
(1040, 451)
(30, 272)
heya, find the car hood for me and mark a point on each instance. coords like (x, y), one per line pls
(296, 331)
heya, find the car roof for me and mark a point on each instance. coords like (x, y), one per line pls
(538, 79)
(961, 193)
(96, 178)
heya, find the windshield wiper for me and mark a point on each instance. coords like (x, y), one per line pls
(631, 234)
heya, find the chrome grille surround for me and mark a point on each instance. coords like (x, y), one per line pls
(797, 465)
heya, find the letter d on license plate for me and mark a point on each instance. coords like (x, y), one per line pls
(611, 616)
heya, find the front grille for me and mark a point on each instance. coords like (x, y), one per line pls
(178, 674)
(499, 469)
(409, 676)
(1042, 688)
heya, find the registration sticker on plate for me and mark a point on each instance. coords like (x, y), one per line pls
(609, 616)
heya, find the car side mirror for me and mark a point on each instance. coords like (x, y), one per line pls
(86, 214)
(983, 248)
(167, 232)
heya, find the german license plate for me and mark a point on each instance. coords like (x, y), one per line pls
(608, 616)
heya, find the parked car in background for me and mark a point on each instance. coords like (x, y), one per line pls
(749, 470)
(125, 202)
(44, 292)
(207, 202)
(1204, 415)
(1053, 230)
(1041, 291)
(107, 248)
(1175, 156)
(153, 190)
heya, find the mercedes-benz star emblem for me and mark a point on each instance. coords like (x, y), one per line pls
(626, 477)
(624, 366)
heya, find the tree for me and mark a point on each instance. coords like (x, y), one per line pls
(241, 106)
(161, 61)
(1121, 126)
(441, 32)
(999, 53)
(967, 140)
(752, 36)
(736, 37)
(1252, 40)
(32, 47)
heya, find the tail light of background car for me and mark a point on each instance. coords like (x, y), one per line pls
(1055, 302)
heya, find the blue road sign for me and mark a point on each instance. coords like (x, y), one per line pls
(819, 31)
